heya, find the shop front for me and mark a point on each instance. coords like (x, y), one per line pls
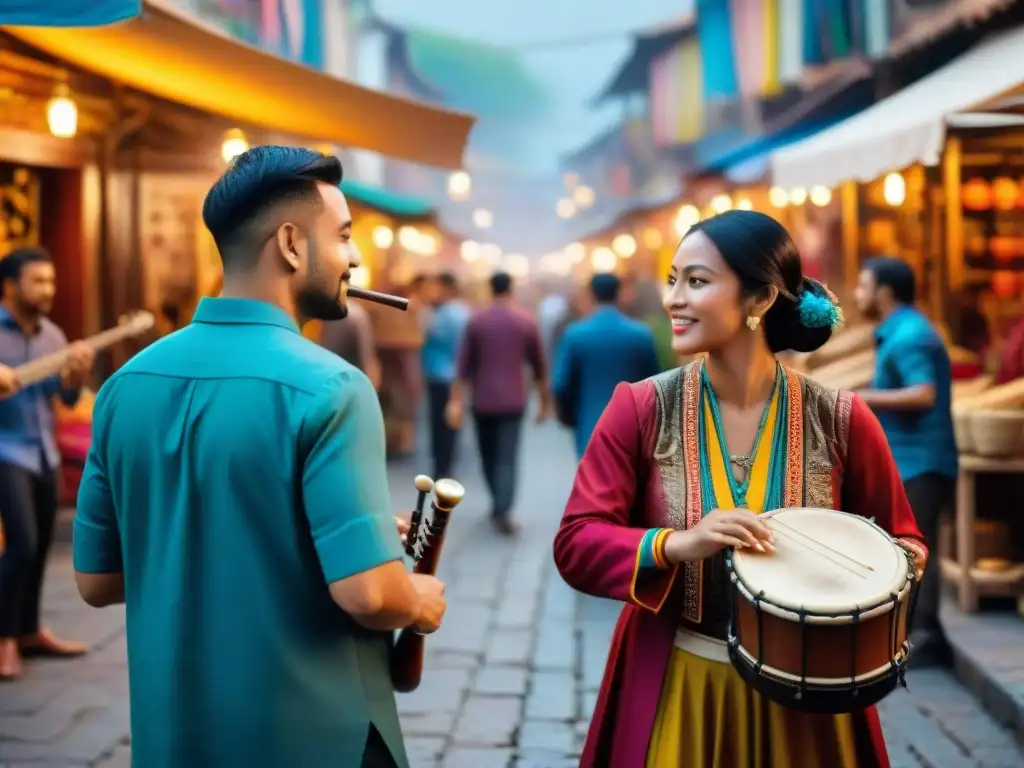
(933, 174)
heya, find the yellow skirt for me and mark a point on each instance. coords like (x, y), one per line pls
(708, 717)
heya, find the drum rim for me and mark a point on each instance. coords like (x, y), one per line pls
(878, 606)
(891, 667)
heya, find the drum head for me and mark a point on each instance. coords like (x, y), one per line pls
(825, 562)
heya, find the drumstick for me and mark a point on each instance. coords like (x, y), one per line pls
(826, 546)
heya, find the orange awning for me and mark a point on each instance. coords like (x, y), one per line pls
(170, 54)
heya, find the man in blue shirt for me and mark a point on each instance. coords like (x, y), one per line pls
(595, 355)
(439, 362)
(912, 395)
(29, 459)
(235, 498)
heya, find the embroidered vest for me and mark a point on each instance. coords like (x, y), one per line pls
(818, 421)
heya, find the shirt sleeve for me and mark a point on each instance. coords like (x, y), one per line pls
(344, 482)
(914, 363)
(96, 535)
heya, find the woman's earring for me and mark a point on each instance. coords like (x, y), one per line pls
(753, 322)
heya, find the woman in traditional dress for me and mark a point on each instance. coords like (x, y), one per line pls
(678, 468)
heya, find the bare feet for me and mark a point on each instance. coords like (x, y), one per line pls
(45, 643)
(10, 660)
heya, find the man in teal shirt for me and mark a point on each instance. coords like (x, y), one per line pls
(235, 498)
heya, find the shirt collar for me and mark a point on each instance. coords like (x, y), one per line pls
(7, 319)
(892, 322)
(242, 312)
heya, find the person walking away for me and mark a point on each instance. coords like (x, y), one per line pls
(595, 355)
(351, 339)
(236, 500)
(499, 343)
(29, 458)
(441, 342)
(911, 393)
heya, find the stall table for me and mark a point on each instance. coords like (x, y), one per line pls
(970, 581)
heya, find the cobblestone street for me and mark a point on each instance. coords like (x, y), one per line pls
(511, 677)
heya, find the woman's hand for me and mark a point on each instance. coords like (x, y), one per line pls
(739, 528)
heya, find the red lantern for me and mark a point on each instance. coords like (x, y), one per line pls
(1005, 284)
(975, 195)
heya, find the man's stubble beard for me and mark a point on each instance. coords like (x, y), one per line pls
(316, 299)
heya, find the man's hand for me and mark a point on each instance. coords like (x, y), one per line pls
(403, 527)
(432, 602)
(453, 415)
(79, 364)
(546, 410)
(9, 384)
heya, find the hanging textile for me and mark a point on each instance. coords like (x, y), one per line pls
(67, 13)
(677, 95)
(748, 41)
(714, 30)
(771, 84)
(876, 28)
(791, 40)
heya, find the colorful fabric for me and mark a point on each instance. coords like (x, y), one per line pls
(634, 476)
(677, 94)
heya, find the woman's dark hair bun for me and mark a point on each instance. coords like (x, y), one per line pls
(760, 251)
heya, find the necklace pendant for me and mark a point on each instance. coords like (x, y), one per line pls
(743, 462)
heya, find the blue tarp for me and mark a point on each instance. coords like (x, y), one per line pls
(67, 13)
(401, 206)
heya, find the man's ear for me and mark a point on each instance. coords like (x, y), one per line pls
(287, 236)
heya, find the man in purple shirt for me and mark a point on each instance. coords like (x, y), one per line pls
(29, 460)
(498, 344)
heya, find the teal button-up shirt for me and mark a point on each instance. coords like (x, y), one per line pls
(236, 470)
(910, 352)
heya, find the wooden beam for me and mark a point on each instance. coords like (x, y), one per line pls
(33, 148)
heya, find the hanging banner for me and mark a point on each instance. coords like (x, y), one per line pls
(67, 13)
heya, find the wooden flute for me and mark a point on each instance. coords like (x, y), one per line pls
(423, 544)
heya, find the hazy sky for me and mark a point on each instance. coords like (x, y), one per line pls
(572, 73)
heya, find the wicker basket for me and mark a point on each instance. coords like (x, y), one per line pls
(962, 431)
(997, 434)
(853, 372)
(849, 341)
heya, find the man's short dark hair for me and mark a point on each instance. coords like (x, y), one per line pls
(501, 283)
(448, 280)
(894, 274)
(256, 183)
(15, 261)
(605, 288)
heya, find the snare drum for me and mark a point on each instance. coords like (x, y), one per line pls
(821, 624)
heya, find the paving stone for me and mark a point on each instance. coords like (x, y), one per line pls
(512, 647)
(552, 697)
(425, 751)
(434, 723)
(501, 681)
(555, 647)
(462, 757)
(548, 737)
(488, 721)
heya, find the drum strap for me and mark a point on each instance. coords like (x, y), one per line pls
(701, 645)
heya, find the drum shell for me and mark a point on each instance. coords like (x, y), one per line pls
(836, 651)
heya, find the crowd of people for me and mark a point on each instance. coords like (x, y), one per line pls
(235, 496)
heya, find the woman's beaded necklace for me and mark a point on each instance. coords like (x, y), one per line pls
(776, 464)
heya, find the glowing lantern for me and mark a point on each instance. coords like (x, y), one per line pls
(976, 195)
(1003, 248)
(1004, 194)
(1005, 284)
